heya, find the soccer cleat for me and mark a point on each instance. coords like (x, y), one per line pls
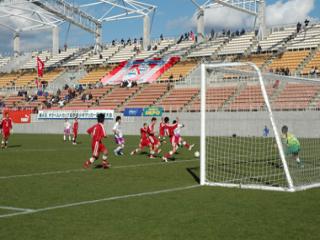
(121, 153)
(106, 164)
(74, 143)
(191, 146)
(165, 159)
(151, 157)
(132, 153)
(116, 153)
(87, 164)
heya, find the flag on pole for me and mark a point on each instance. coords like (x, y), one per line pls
(40, 66)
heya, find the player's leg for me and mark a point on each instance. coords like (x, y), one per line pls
(69, 135)
(185, 144)
(95, 154)
(104, 151)
(75, 135)
(119, 149)
(169, 155)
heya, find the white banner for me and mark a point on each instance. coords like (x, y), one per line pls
(81, 114)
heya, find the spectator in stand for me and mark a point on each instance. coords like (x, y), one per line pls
(90, 96)
(135, 41)
(171, 77)
(155, 48)
(161, 37)
(180, 77)
(149, 47)
(276, 84)
(58, 92)
(298, 27)
(122, 41)
(113, 42)
(287, 71)
(65, 47)
(243, 31)
(83, 97)
(306, 23)
(141, 40)
(259, 49)
(212, 34)
(97, 102)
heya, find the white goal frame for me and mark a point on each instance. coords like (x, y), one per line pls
(203, 180)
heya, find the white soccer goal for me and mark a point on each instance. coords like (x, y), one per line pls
(242, 115)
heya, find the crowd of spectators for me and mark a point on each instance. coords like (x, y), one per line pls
(281, 71)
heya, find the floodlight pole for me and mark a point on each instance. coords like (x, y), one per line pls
(98, 38)
(262, 20)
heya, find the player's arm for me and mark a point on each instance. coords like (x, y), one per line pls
(90, 130)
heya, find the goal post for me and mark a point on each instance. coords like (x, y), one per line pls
(242, 144)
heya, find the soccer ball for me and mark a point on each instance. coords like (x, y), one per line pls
(197, 154)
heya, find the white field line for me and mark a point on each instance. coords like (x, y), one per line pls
(135, 195)
(85, 170)
(16, 209)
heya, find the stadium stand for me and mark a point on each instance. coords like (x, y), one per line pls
(4, 61)
(258, 59)
(148, 95)
(277, 39)
(313, 66)
(249, 99)
(154, 50)
(117, 97)
(215, 99)
(32, 64)
(290, 60)
(181, 48)
(29, 78)
(178, 98)
(60, 57)
(208, 49)
(238, 45)
(125, 53)
(179, 71)
(295, 97)
(307, 38)
(6, 80)
(95, 75)
(106, 53)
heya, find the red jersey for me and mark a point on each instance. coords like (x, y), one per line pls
(162, 129)
(143, 134)
(6, 124)
(97, 132)
(151, 130)
(75, 126)
(170, 128)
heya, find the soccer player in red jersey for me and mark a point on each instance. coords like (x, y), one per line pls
(97, 133)
(162, 131)
(144, 141)
(152, 136)
(6, 125)
(75, 127)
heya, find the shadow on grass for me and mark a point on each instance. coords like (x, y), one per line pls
(194, 172)
(14, 146)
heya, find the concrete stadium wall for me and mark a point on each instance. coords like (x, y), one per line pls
(302, 124)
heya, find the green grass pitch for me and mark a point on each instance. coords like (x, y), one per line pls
(47, 195)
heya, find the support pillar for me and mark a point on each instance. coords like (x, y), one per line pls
(55, 40)
(200, 25)
(262, 20)
(146, 32)
(98, 38)
(16, 44)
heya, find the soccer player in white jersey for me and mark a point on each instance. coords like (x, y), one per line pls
(118, 137)
(179, 140)
(67, 130)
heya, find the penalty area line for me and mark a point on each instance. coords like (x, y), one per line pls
(85, 170)
(16, 209)
(114, 198)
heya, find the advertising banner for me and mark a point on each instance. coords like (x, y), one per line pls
(20, 116)
(153, 112)
(133, 112)
(81, 114)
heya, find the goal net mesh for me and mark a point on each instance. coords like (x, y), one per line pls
(243, 142)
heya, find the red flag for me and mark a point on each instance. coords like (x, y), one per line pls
(40, 65)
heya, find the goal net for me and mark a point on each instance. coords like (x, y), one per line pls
(257, 131)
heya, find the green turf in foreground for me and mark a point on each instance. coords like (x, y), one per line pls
(198, 213)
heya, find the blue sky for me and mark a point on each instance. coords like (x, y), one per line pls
(172, 18)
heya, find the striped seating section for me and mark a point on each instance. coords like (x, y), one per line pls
(295, 97)
(181, 68)
(290, 59)
(215, 98)
(249, 99)
(178, 98)
(96, 94)
(95, 75)
(148, 96)
(117, 97)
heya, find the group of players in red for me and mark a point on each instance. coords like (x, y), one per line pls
(148, 139)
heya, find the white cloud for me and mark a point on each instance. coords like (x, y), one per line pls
(280, 12)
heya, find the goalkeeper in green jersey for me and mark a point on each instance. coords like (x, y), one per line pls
(292, 145)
